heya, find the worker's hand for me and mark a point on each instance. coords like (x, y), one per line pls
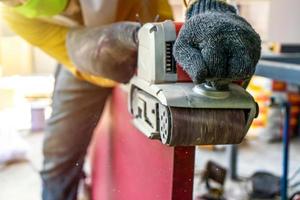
(108, 51)
(216, 44)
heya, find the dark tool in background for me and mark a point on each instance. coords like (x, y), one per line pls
(265, 185)
(214, 177)
(166, 105)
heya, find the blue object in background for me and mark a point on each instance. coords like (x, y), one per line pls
(286, 143)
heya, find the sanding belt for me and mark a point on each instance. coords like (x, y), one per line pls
(206, 126)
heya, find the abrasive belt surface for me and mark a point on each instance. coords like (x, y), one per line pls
(207, 126)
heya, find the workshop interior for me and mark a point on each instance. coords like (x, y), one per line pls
(168, 132)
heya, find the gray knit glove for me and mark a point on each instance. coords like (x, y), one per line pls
(215, 45)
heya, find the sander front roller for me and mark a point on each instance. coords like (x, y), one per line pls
(172, 109)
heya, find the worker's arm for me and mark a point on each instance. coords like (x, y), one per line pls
(51, 39)
(216, 44)
(109, 51)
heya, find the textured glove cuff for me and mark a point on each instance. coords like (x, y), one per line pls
(196, 7)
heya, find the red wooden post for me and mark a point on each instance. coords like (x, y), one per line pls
(127, 165)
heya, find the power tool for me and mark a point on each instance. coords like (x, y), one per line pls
(167, 106)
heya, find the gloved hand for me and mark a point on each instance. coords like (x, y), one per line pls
(107, 51)
(216, 45)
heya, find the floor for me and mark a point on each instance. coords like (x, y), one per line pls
(253, 156)
(21, 180)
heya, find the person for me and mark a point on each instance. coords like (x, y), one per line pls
(96, 42)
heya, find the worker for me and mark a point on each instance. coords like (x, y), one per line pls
(96, 42)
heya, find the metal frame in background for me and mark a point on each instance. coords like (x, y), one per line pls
(282, 67)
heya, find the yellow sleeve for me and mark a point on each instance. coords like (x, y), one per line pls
(51, 39)
(164, 10)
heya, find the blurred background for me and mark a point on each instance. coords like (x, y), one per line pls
(26, 84)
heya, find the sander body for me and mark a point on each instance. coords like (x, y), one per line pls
(167, 106)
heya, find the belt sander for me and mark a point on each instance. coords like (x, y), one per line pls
(167, 106)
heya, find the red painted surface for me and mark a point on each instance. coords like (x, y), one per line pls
(127, 165)
(182, 75)
(183, 173)
(178, 26)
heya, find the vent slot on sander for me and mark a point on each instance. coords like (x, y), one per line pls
(170, 60)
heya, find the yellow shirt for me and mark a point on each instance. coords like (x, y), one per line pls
(51, 37)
